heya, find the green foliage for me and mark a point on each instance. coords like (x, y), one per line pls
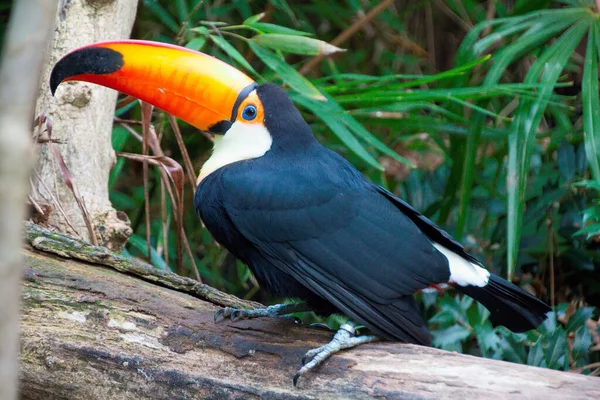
(496, 138)
(462, 325)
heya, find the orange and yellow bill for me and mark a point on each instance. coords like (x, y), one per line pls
(190, 85)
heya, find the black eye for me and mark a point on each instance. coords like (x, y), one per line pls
(249, 113)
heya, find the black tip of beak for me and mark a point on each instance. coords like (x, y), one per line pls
(89, 60)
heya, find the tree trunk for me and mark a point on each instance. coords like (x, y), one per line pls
(82, 116)
(89, 331)
(22, 56)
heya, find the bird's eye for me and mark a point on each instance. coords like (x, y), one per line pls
(249, 113)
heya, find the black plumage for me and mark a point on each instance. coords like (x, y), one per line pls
(310, 226)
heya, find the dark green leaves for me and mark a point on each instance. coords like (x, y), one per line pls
(288, 74)
(591, 102)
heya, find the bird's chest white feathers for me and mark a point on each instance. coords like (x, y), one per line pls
(242, 141)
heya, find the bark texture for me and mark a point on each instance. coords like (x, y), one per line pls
(82, 114)
(89, 331)
(27, 33)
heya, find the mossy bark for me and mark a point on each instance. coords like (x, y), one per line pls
(122, 330)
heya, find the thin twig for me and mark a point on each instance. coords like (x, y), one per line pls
(348, 33)
(551, 247)
(132, 132)
(186, 156)
(489, 15)
(176, 196)
(57, 203)
(35, 205)
(191, 255)
(589, 366)
(165, 228)
(70, 182)
(118, 120)
(146, 114)
(453, 16)
(430, 37)
(184, 25)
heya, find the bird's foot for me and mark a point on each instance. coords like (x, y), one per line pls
(344, 339)
(278, 310)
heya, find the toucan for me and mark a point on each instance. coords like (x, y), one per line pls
(307, 223)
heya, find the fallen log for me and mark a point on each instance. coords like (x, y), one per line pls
(90, 331)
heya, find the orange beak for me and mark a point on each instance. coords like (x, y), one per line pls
(198, 88)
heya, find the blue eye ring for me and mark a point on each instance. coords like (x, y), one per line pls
(249, 112)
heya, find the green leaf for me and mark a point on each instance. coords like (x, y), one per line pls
(592, 185)
(565, 158)
(358, 129)
(254, 19)
(295, 44)
(555, 349)
(487, 338)
(283, 5)
(549, 325)
(196, 43)
(524, 127)
(140, 245)
(119, 137)
(212, 23)
(582, 343)
(233, 53)
(289, 75)
(272, 28)
(579, 319)
(182, 10)
(468, 172)
(536, 355)
(450, 338)
(162, 14)
(533, 38)
(590, 230)
(512, 347)
(202, 30)
(591, 102)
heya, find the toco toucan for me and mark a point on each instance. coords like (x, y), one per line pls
(306, 222)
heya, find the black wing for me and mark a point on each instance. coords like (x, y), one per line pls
(338, 235)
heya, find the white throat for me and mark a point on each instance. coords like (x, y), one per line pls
(243, 141)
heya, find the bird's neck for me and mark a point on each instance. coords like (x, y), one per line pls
(241, 142)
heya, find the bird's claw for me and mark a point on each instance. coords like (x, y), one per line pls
(278, 310)
(344, 338)
(234, 314)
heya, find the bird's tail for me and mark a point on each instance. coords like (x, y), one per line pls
(508, 304)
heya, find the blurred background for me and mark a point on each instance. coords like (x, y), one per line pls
(472, 111)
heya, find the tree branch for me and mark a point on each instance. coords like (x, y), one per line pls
(92, 332)
(28, 30)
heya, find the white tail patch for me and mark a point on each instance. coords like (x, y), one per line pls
(463, 272)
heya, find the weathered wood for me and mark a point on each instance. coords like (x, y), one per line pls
(90, 331)
(82, 116)
(29, 28)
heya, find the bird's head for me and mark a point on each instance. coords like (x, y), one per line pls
(197, 88)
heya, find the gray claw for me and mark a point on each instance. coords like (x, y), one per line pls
(236, 315)
(343, 339)
(223, 314)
